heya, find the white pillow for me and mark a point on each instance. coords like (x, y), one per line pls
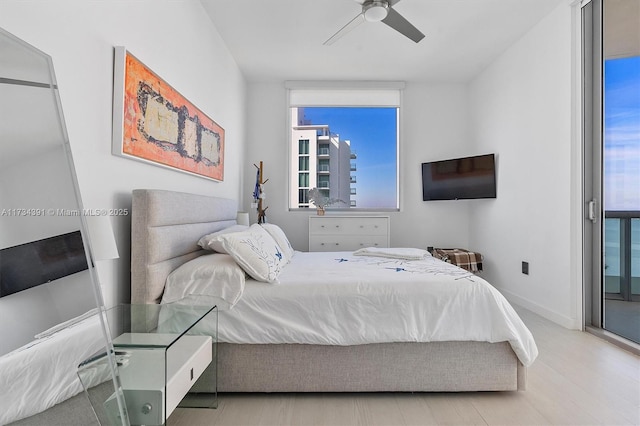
(212, 241)
(214, 275)
(278, 234)
(256, 252)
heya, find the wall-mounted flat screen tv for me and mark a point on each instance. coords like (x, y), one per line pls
(459, 178)
(39, 262)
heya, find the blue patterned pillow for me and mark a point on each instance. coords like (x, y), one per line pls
(256, 252)
(280, 237)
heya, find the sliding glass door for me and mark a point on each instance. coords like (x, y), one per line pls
(612, 164)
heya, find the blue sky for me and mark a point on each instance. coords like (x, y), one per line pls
(622, 134)
(372, 132)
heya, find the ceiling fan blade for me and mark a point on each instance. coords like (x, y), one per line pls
(344, 30)
(398, 23)
(393, 2)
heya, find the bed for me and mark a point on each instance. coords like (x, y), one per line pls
(166, 227)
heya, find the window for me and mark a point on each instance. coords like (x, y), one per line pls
(323, 182)
(303, 146)
(346, 140)
(323, 165)
(611, 71)
(303, 163)
(303, 196)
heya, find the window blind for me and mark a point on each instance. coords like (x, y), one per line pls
(383, 94)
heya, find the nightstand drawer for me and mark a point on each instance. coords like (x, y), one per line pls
(346, 243)
(192, 355)
(348, 225)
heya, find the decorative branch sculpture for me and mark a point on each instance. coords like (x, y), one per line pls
(259, 195)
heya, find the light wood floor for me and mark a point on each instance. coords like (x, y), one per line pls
(578, 379)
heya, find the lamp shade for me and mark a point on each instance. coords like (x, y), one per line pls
(242, 218)
(103, 243)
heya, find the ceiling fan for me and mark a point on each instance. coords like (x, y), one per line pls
(376, 11)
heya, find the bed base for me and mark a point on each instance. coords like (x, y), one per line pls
(382, 367)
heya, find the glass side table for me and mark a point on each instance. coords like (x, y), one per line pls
(159, 357)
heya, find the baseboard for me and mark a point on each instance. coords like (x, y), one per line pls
(621, 342)
(564, 321)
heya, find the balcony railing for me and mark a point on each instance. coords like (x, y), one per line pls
(323, 151)
(323, 184)
(622, 255)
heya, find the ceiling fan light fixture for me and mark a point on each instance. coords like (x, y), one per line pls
(375, 11)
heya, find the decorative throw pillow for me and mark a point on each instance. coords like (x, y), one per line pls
(256, 252)
(212, 241)
(278, 234)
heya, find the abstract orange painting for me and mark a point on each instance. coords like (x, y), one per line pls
(154, 123)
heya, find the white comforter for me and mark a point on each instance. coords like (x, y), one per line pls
(44, 372)
(336, 298)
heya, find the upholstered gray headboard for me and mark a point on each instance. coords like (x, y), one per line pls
(165, 229)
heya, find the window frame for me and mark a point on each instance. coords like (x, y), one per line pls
(344, 94)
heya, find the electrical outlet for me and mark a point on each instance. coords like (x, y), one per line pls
(525, 268)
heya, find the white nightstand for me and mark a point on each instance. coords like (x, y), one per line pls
(158, 362)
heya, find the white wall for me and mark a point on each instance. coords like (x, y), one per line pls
(434, 126)
(521, 109)
(176, 40)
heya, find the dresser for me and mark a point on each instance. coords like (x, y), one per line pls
(347, 233)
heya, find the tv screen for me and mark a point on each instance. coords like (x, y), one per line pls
(38, 262)
(459, 178)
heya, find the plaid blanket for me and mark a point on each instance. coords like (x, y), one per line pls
(463, 258)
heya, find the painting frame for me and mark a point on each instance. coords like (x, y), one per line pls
(155, 124)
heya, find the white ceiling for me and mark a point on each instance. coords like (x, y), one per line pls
(278, 40)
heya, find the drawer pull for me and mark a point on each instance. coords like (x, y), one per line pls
(191, 375)
(321, 226)
(321, 244)
(337, 226)
(146, 408)
(337, 244)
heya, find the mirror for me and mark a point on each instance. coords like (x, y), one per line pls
(49, 293)
(44, 275)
